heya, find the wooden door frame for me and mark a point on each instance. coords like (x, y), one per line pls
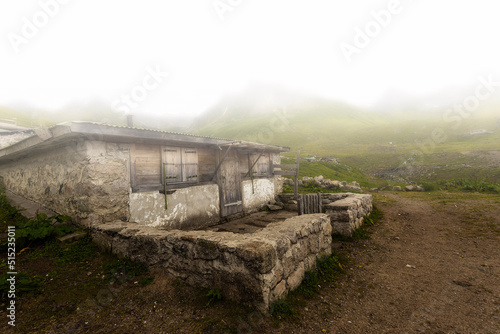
(223, 155)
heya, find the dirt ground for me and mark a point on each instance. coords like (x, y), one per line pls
(432, 265)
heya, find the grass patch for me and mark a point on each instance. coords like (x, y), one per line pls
(364, 231)
(125, 267)
(327, 270)
(281, 309)
(471, 186)
(23, 283)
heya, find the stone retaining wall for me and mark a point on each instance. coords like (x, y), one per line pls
(346, 210)
(260, 267)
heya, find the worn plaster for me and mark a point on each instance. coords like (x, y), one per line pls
(260, 193)
(187, 208)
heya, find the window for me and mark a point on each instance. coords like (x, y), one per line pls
(261, 167)
(145, 167)
(180, 165)
(152, 165)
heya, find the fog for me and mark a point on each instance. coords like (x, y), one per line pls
(180, 58)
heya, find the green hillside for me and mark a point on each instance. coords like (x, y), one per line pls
(397, 146)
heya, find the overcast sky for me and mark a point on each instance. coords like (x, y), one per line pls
(55, 52)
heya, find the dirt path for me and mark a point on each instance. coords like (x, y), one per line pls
(431, 266)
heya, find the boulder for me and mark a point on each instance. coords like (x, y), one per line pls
(409, 188)
(326, 182)
(319, 178)
(272, 207)
(420, 188)
(396, 188)
(355, 184)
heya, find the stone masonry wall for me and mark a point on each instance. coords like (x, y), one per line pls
(85, 180)
(260, 267)
(345, 210)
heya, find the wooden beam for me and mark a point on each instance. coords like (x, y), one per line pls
(285, 172)
(292, 166)
(250, 169)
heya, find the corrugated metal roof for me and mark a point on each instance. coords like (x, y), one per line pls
(147, 129)
(46, 137)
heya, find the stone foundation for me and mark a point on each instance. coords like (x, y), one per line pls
(346, 210)
(259, 267)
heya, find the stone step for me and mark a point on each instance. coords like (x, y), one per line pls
(72, 237)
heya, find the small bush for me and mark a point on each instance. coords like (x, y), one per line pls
(428, 186)
(41, 228)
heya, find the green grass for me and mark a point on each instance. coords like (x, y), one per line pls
(334, 171)
(365, 230)
(371, 143)
(471, 186)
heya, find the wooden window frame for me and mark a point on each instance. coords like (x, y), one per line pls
(182, 165)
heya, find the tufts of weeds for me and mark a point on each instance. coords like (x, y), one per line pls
(8, 213)
(463, 185)
(82, 250)
(281, 309)
(328, 268)
(63, 253)
(41, 228)
(213, 296)
(23, 283)
(32, 231)
(309, 286)
(363, 232)
(146, 280)
(125, 268)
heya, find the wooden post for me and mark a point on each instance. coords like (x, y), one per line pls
(320, 203)
(296, 181)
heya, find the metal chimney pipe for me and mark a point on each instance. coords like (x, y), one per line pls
(130, 120)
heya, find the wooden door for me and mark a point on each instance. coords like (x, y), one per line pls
(230, 185)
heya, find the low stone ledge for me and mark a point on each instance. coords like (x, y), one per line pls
(345, 210)
(260, 267)
(347, 214)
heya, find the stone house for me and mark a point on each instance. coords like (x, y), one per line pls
(100, 173)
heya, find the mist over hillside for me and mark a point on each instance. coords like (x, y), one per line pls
(409, 140)
(404, 139)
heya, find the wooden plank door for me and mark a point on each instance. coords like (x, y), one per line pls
(229, 180)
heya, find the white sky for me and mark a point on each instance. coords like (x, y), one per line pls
(94, 49)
